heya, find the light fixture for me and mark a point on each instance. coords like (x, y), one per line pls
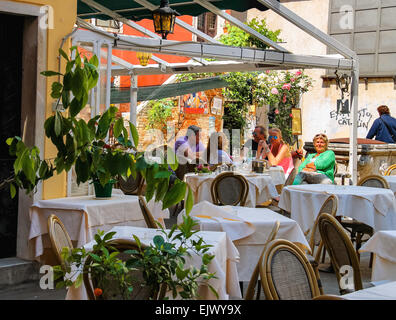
(143, 58)
(164, 19)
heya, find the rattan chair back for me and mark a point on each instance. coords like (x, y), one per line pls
(286, 273)
(328, 297)
(111, 291)
(58, 236)
(374, 181)
(148, 217)
(340, 249)
(229, 189)
(132, 185)
(390, 169)
(291, 177)
(253, 280)
(330, 206)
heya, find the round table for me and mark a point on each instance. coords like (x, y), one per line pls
(261, 187)
(375, 207)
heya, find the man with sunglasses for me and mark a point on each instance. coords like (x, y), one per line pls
(259, 134)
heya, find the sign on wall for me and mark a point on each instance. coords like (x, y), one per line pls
(345, 119)
(194, 103)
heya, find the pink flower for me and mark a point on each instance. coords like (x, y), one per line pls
(286, 86)
(274, 91)
(276, 111)
(291, 115)
(284, 98)
(267, 71)
(292, 80)
(298, 73)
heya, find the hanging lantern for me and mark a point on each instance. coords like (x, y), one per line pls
(143, 57)
(164, 19)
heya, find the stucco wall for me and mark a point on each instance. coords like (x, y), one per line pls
(319, 106)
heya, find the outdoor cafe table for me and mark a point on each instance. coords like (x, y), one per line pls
(248, 228)
(386, 291)
(261, 186)
(392, 182)
(223, 263)
(383, 245)
(83, 216)
(375, 207)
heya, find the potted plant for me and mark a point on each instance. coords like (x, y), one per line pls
(162, 264)
(202, 169)
(101, 149)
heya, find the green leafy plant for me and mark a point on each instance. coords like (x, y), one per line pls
(163, 263)
(101, 149)
(159, 113)
(282, 92)
(202, 169)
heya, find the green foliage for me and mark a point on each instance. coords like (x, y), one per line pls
(159, 113)
(163, 262)
(239, 38)
(100, 149)
(282, 92)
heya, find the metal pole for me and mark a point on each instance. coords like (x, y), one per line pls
(353, 129)
(108, 75)
(133, 105)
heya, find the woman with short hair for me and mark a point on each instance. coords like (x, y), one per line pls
(317, 167)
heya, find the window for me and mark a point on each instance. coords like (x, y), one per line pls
(369, 28)
(207, 23)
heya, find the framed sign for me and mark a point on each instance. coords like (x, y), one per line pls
(196, 103)
(296, 121)
(217, 106)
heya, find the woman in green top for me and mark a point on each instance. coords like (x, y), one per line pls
(318, 167)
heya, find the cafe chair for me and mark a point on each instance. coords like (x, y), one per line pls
(229, 189)
(359, 229)
(274, 203)
(315, 241)
(254, 279)
(131, 186)
(328, 297)
(341, 251)
(286, 273)
(389, 170)
(112, 291)
(59, 237)
(147, 215)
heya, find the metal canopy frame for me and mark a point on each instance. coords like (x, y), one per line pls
(231, 58)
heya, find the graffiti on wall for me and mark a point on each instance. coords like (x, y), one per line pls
(345, 119)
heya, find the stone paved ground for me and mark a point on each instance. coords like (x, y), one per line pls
(32, 291)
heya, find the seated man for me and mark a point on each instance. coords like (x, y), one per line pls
(189, 146)
(318, 167)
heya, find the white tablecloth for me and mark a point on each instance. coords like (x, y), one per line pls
(249, 244)
(383, 245)
(385, 291)
(83, 216)
(373, 206)
(223, 264)
(392, 182)
(261, 187)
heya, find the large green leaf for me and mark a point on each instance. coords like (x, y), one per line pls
(134, 133)
(56, 90)
(50, 73)
(174, 195)
(189, 201)
(58, 123)
(78, 83)
(118, 126)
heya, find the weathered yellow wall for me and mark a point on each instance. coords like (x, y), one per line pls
(319, 105)
(65, 12)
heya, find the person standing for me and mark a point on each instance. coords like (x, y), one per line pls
(383, 128)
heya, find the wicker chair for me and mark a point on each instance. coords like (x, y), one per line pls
(328, 297)
(356, 228)
(389, 170)
(329, 206)
(254, 279)
(340, 248)
(58, 236)
(148, 217)
(131, 186)
(286, 273)
(229, 189)
(111, 291)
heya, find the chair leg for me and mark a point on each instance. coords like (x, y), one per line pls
(241, 285)
(324, 255)
(258, 290)
(358, 244)
(318, 280)
(371, 260)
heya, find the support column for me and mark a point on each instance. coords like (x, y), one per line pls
(108, 75)
(354, 113)
(133, 105)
